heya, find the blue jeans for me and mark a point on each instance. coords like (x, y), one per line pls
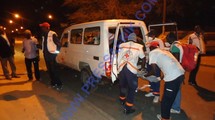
(155, 86)
(177, 103)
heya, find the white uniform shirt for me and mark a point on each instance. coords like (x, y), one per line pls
(198, 42)
(129, 53)
(30, 48)
(160, 42)
(168, 64)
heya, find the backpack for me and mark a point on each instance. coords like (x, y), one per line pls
(189, 56)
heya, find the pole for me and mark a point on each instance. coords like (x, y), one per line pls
(164, 15)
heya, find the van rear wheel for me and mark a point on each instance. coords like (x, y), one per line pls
(85, 74)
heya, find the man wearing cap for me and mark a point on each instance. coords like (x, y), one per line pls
(50, 47)
(128, 57)
(173, 76)
(30, 51)
(6, 55)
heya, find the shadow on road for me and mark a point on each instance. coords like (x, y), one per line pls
(205, 94)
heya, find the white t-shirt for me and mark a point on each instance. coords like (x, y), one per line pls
(159, 41)
(168, 64)
(129, 53)
(198, 42)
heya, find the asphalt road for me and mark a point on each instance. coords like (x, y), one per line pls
(22, 100)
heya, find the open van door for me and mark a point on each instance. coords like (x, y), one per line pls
(123, 29)
(162, 30)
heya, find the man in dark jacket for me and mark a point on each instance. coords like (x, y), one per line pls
(6, 55)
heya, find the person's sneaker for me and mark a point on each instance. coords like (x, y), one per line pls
(159, 117)
(150, 94)
(15, 76)
(129, 111)
(143, 87)
(59, 87)
(156, 99)
(175, 111)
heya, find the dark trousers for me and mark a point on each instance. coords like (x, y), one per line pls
(170, 91)
(28, 64)
(5, 67)
(128, 84)
(52, 68)
(193, 73)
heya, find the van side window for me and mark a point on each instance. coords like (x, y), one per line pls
(76, 36)
(64, 40)
(92, 36)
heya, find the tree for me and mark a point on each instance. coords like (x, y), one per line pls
(85, 10)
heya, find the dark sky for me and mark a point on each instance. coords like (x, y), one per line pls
(34, 12)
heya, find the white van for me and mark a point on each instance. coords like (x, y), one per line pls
(92, 47)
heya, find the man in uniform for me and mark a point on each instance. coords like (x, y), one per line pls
(128, 57)
(51, 46)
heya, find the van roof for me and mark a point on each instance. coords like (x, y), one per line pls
(107, 22)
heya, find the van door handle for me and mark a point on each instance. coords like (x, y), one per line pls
(95, 57)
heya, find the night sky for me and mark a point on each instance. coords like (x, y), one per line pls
(34, 12)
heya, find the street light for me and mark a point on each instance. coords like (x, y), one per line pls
(50, 16)
(16, 15)
(10, 21)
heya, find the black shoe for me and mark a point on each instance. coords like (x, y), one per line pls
(30, 79)
(8, 78)
(15, 76)
(193, 83)
(122, 102)
(129, 111)
(38, 79)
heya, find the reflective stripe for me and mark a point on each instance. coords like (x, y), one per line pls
(129, 104)
(132, 66)
(121, 98)
(130, 48)
(156, 93)
(121, 65)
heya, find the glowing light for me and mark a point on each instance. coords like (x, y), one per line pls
(10, 21)
(16, 16)
(50, 16)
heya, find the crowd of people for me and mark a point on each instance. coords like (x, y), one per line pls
(160, 64)
(30, 47)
